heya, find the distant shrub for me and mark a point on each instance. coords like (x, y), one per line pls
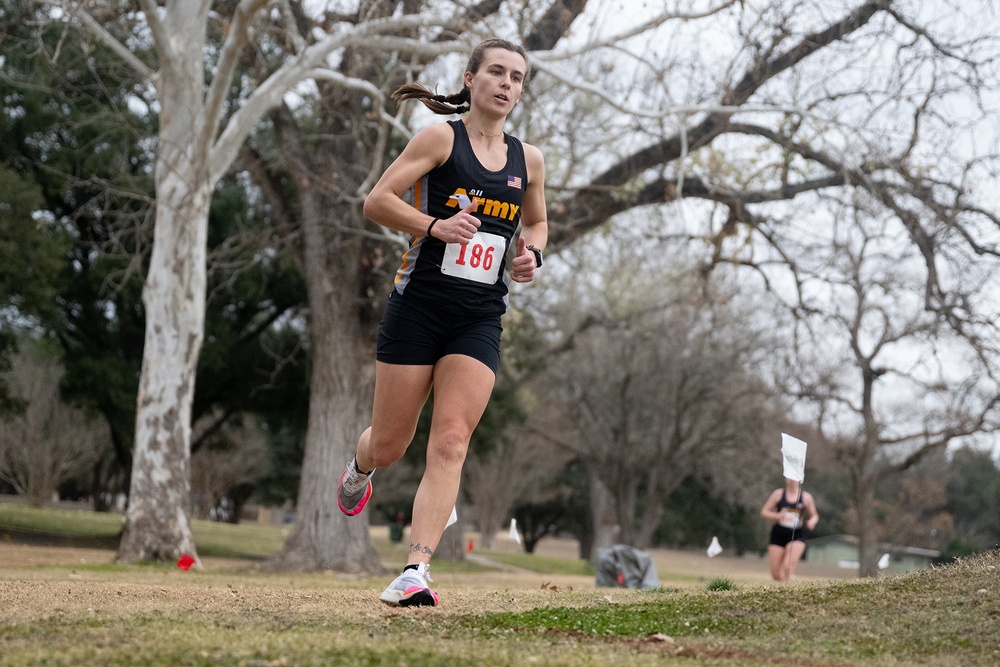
(958, 548)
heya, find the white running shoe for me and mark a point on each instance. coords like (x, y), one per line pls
(410, 589)
(354, 489)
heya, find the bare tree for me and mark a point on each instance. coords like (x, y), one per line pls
(917, 515)
(234, 456)
(514, 473)
(810, 116)
(51, 441)
(889, 383)
(656, 380)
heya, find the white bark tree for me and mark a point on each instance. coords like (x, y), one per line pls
(201, 132)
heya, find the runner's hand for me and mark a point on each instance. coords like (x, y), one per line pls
(459, 228)
(523, 264)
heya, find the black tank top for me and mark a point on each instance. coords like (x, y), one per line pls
(500, 195)
(794, 512)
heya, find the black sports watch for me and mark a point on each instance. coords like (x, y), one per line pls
(538, 255)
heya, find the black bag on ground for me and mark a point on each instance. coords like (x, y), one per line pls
(622, 566)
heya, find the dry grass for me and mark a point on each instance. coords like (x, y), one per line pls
(72, 606)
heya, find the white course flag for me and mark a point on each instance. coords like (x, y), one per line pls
(453, 518)
(714, 549)
(512, 533)
(793, 458)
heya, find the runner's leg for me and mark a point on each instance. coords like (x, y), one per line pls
(400, 394)
(776, 556)
(462, 388)
(795, 550)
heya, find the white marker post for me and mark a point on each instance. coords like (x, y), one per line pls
(714, 549)
(512, 533)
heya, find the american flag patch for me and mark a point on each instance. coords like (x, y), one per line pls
(514, 182)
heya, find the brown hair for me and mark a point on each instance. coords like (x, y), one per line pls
(459, 102)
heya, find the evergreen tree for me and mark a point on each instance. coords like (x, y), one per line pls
(973, 484)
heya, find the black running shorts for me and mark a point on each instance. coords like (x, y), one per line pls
(781, 536)
(414, 334)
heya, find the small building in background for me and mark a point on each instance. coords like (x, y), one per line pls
(842, 551)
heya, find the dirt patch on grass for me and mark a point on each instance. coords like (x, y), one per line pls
(67, 606)
(39, 581)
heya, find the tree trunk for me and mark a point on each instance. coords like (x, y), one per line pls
(868, 555)
(156, 523)
(487, 536)
(340, 401)
(323, 538)
(607, 532)
(649, 519)
(488, 486)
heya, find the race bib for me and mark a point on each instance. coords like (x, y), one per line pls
(478, 260)
(790, 519)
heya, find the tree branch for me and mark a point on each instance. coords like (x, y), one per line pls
(593, 205)
(76, 11)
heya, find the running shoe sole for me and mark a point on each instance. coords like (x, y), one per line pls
(354, 511)
(414, 596)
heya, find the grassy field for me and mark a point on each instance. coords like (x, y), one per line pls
(65, 602)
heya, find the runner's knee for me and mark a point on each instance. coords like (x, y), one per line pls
(384, 451)
(448, 447)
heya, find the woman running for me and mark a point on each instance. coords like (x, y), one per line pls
(470, 186)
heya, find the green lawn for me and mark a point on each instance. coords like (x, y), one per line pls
(73, 614)
(101, 529)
